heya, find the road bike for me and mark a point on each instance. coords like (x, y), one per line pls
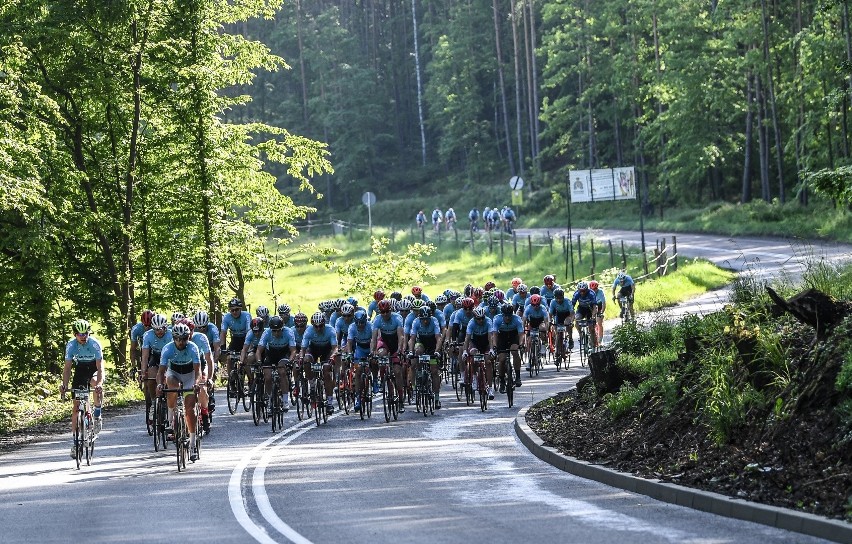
(478, 371)
(366, 392)
(236, 385)
(276, 399)
(256, 404)
(535, 355)
(424, 395)
(584, 340)
(387, 388)
(180, 431)
(317, 389)
(302, 393)
(563, 352)
(86, 432)
(161, 412)
(344, 393)
(507, 372)
(624, 305)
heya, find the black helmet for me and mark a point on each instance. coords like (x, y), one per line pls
(276, 323)
(559, 293)
(507, 309)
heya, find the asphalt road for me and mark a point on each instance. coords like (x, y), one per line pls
(460, 475)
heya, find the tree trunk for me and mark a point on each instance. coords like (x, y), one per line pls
(419, 85)
(502, 84)
(534, 71)
(302, 62)
(762, 141)
(749, 124)
(770, 88)
(518, 116)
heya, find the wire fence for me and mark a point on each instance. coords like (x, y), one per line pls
(587, 255)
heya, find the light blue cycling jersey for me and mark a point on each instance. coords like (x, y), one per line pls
(600, 296)
(332, 319)
(547, 292)
(320, 338)
(535, 312)
(587, 301)
(628, 281)
(372, 309)
(430, 328)
(211, 332)
(361, 336)
(88, 352)
(270, 341)
(492, 311)
(341, 328)
(155, 344)
(442, 320)
(180, 361)
(519, 301)
(252, 340)
(480, 328)
(290, 322)
(200, 340)
(298, 335)
(136, 334)
(422, 297)
(409, 319)
(238, 326)
(462, 318)
(503, 325)
(388, 324)
(561, 308)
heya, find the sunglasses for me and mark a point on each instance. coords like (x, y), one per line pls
(81, 334)
(385, 312)
(235, 309)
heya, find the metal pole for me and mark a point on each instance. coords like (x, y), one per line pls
(370, 216)
(570, 252)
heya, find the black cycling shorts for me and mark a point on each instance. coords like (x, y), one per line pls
(506, 339)
(480, 342)
(584, 312)
(320, 353)
(237, 343)
(626, 291)
(391, 342)
(429, 343)
(83, 374)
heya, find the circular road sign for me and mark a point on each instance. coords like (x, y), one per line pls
(516, 183)
(368, 198)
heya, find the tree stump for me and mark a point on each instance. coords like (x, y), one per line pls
(606, 375)
(813, 308)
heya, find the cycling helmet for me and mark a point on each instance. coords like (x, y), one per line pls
(276, 323)
(378, 295)
(188, 322)
(507, 309)
(535, 289)
(146, 318)
(180, 330)
(432, 306)
(235, 303)
(409, 298)
(416, 291)
(159, 321)
(457, 303)
(441, 299)
(477, 293)
(479, 312)
(549, 279)
(417, 303)
(177, 316)
(468, 290)
(620, 277)
(353, 301)
(593, 285)
(522, 288)
(396, 295)
(284, 309)
(257, 324)
(318, 319)
(347, 310)
(404, 305)
(447, 293)
(262, 311)
(516, 282)
(468, 303)
(385, 305)
(493, 302)
(300, 319)
(338, 304)
(201, 319)
(582, 286)
(559, 293)
(535, 300)
(424, 313)
(501, 296)
(489, 285)
(360, 318)
(81, 326)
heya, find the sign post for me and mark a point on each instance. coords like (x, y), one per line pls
(516, 183)
(369, 199)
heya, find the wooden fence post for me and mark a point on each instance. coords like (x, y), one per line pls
(472, 248)
(623, 257)
(550, 241)
(515, 241)
(350, 231)
(592, 242)
(423, 234)
(529, 244)
(674, 249)
(645, 262)
(579, 250)
(663, 258)
(611, 255)
(657, 260)
(456, 231)
(501, 247)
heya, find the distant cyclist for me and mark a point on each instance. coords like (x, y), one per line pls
(84, 353)
(421, 219)
(450, 218)
(473, 217)
(181, 368)
(626, 288)
(437, 218)
(585, 303)
(238, 322)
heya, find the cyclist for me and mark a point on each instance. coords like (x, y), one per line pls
(263, 313)
(508, 328)
(136, 334)
(600, 296)
(519, 301)
(548, 289)
(279, 346)
(626, 288)
(84, 353)
(284, 313)
(437, 217)
(417, 293)
(153, 343)
(450, 218)
(459, 322)
(181, 368)
(479, 338)
(320, 343)
(177, 316)
(389, 340)
(359, 337)
(473, 217)
(513, 289)
(495, 218)
(202, 325)
(535, 316)
(509, 219)
(378, 295)
(238, 321)
(586, 304)
(426, 338)
(249, 353)
(486, 218)
(341, 329)
(421, 219)
(562, 311)
(207, 403)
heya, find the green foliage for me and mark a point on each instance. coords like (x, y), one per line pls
(835, 184)
(384, 269)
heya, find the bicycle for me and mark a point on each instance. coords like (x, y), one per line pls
(149, 421)
(563, 353)
(317, 389)
(276, 410)
(161, 412)
(624, 305)
(258, 411)
(507, 373)
(536, 347)
(424, 396)
(585, 349)
(366, 389)
(344, 390)
(479, 375)
(303, 396)
(236, 384)
(181, 431)
(86, 433)
(386, 385)
(467, 371)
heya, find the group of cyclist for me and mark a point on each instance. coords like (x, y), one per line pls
(182, 354)
(493, 218)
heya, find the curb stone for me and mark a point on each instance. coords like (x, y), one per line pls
(706, 501)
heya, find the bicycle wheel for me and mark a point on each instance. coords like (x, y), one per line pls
(256, 403)
(245, 390)
(318, 404)
(483, 392)
(79, 436)
(156, 410)
(276, 406)
(458, 387)
(582, 347)
(386, 402)
(368, 395)
(538, 357)
(265, 407)
(430, 396)
(90, 443)
(233, 392)
(510, 385)
(149, 421)
(180, 443)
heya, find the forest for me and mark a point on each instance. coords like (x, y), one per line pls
(149, 148)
